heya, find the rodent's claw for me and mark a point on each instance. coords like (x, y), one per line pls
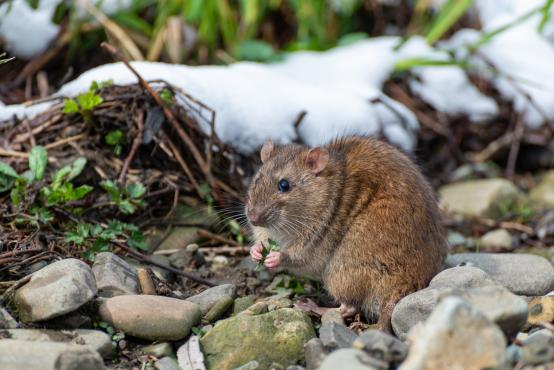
(273, 260)
(256, 252)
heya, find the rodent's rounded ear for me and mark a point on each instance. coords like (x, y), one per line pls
(317, 160)
(267, 148)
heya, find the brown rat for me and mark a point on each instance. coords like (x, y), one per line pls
(357, 213)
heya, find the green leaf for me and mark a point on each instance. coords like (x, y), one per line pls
(166, 96)
(273, 246)
(545, 11)
(126, 207)
(79, 193)
(135, 190)
(351, 38)
(37, 162)
(255, 50)
(43, 215)
(136, 240)
(407, 64)
(7, 177)
(449, 14)
(60, 176)
(114, 137)
(111, 188)
(89, 100)
(76, 168)
(70, 106)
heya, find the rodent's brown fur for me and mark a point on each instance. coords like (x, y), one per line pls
(368, 224)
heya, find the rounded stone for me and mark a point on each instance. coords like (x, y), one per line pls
(151, 317)
(56, 289)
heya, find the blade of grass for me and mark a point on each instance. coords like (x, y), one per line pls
(407, 64)
(446, 17)
(545, 14)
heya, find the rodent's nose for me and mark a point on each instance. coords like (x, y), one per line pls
(254, 217)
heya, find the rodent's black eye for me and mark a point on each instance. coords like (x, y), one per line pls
(283, 186)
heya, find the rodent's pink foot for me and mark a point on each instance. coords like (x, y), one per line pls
(347, 311)
(273, 260)
(256, 252)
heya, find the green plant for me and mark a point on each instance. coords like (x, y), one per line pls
(84, 103)
(128, 198)
(449, 14)
(96, 238)
(115, 336)
(272, 247)
(115, 138)
(61, 189)
(197, 331)
(286, 284)
(8, 177)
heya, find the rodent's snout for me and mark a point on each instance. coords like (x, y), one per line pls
(256, 217)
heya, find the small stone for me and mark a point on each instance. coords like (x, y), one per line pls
(167, 363)
(19, 355)
(538, 348)
(179, 238)
(151, 317)
(277, 336)
(251, 365)
(242, 303)
(417, 307)
(114, 276)
(543, 194)
(220, 262)
(189, 355)
(211, 296)
(315, 353)
(497, 238)
(454, 238)
(522, 274)
(478, 197)
(57, 289)
(456, 336)
(348, 358)
(332, 315)
(334, 336)
(157, 350)
(218, 309)
(159, 272)
(541, 309)
(497, 303)
(382, 347)
(97, 340)
(6, 320)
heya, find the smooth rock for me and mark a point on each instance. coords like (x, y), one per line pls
(277, 336)
(382, 347)
(159, 272)
(6, 320)
(179, 238)
(242, 303)
(211, 296)
(538, 348)
(332, 316)
(95, 339)
(220, 262)
(151, 317)
(497, 303)
(314, 353)
(56, 289)
(167, 363)
(456, 336)
(477, 197)
(26, 355)
(218, 309)
(114, 276)
(497, 238)
(543, 194)
(334, 335)
(541, 309)
(417, 307)
(189, 355)
(522, 274)
(348, 358)
(158, 350)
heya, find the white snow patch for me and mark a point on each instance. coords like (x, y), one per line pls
(523, 57)
(27, 32)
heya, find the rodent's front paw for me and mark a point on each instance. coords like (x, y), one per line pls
(273, 260)
(256, 252)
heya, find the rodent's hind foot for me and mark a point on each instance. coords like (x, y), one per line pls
(347, 310)
(273, 260)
